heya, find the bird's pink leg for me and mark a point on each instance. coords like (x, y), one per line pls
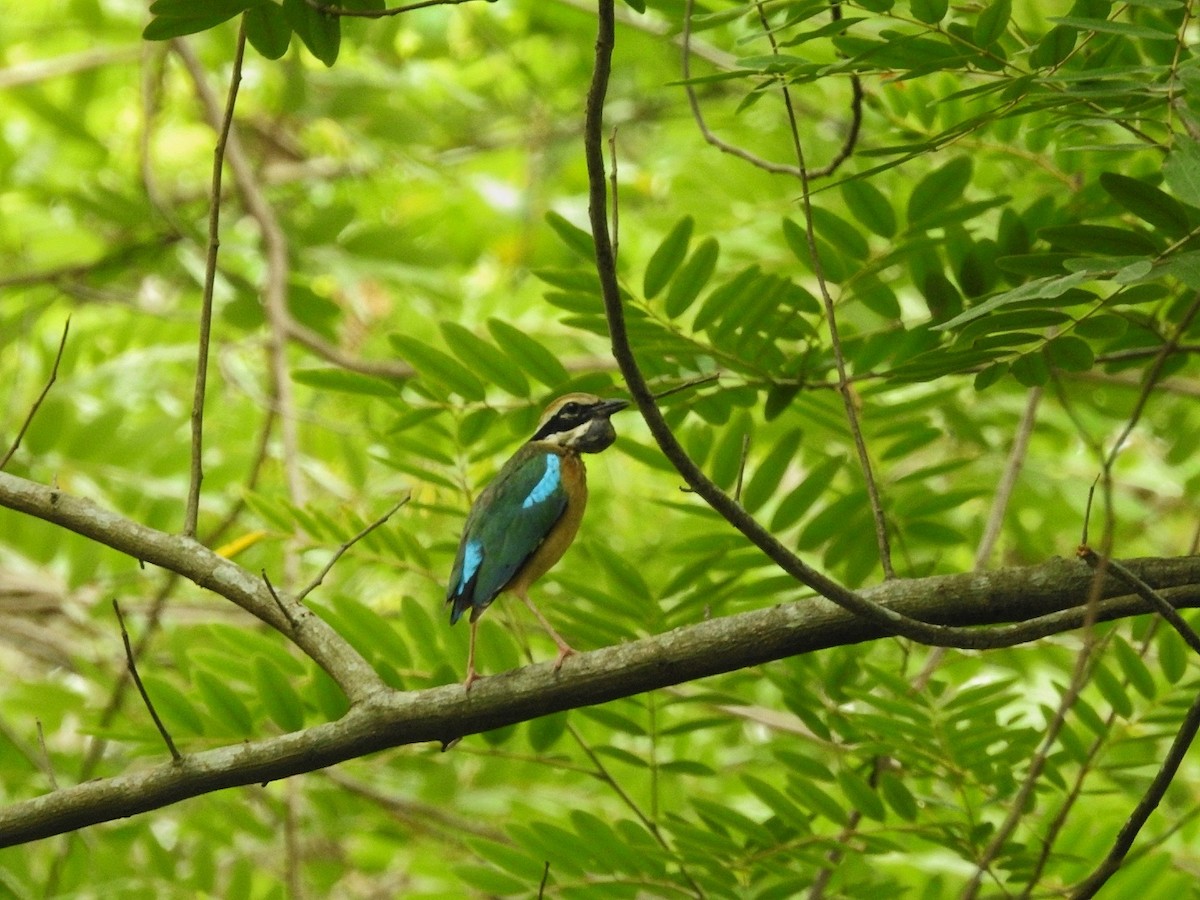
(564, 649)
(472, 675)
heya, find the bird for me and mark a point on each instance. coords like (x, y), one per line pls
(522, 523)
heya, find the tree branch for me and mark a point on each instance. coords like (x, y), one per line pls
(200, 565)
(275, 247)
(224, 129)
(725, 506)
(62, 345)
(1046, 599)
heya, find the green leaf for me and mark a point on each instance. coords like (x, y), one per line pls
(840, 233)
(797, 241)
(440, 367)
(989, 375)
(692, 277)
(1104, 240)
(267, 30)
(344, 381)
(176, 18)
(1113, 26)
(1182, 171)
(898, 797)
(796, 504)
(172, 704)
(279, 698)
(941, 296)
(573, 236)
(1102, 326)
(768, 474)
(992, 23)
(321, 33)
(224, 704)
(666, 259)
(1147, 203)
(491, 882)
(724, 297)
(1134, 668)
(861, 794)
(1039, 288)
(1054, 47)
(1070, 353)
(1031, 370)
(486, 360)
(529, 354)
(1173, 655)
(1112, 690)
(870, 206)
(843, 513)
(929, 11)
(824, 804)
(1184, 266)
(727, 455)
(939, 190)
(545, 731)
(778, 802)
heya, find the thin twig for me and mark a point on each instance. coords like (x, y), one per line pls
(835, 854)
(616, 203)
(688, 385)
(856, 102)
(380, 13)
(192, 512)
(380, 368)
(137, 680)
(604, 775)
(545, 878)
(62, 343)
(293, 871)
(1008, 480)
(287, 613)
(437, 820)
(1151, 378)
(337, 554)
(859, 605)
(1020, 803)
(47, 766)
(1149, 802)
(38, 70)
(737, 488)
(694, 102)
(844, 152)
(1147, 593)
(995, 520)
(848, 398)
(1050, 834)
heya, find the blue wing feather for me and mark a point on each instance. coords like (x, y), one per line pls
(507, 523)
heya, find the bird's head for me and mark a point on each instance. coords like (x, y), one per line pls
(579, 422)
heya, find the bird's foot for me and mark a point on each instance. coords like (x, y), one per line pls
(564, 650)
(472, 677)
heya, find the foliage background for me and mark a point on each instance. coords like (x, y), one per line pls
(430, 185)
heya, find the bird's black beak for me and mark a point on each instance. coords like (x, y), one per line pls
(608, 407)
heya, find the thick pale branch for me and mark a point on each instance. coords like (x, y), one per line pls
(200, 565)
(1048, 599)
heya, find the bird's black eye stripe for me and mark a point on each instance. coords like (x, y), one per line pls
(571, 415)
